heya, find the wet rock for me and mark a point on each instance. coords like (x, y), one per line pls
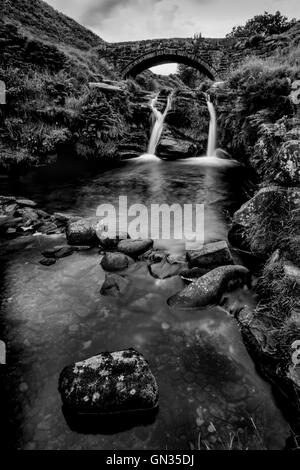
(29, 215)
(171, 147)
(153, 256)
(49, 228)
(10, 209)
(109, 383)
(63, 218)
(210, 256)
(11, 231)
(209, 288)
(114, 285)
(58, 252)
(166, 269)
(115, 261)
(189, 275)
(26, 202)
(47, 261)
(83, 231)
(134, 248)
(110, 241)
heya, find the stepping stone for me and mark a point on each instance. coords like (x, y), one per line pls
(210, 256)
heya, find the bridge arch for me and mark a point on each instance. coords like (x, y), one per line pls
(164, 56)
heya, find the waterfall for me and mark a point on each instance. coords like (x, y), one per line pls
(159, 123)
(212, 133)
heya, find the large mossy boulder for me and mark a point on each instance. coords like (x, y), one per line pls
(257, 223)
(208, 289)
(111, 382)
(210, 256)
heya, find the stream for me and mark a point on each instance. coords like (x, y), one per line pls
(211, 397)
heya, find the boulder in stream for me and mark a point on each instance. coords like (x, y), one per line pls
(210, 256)
(83, 231)
(111, 382)
(208, 289)
(134, 248)
(114, 285)
(115, 261)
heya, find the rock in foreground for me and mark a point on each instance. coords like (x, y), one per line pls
(209, 288)
(109, 383)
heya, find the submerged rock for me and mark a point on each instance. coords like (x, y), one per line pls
(209, 288)
(83, 231)
(134, 248)
(165, 268)
(58, 252)
(47, 261)
(210, 256)
(115, 261)
(114, 285)
(109, 383)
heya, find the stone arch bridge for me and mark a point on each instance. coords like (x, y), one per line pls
(213, 57)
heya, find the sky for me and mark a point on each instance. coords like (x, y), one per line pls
(130, 20)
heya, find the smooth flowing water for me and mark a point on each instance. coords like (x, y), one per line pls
(53, 316)
(158, 124)
(212, 132)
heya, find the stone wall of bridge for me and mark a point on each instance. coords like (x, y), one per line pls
(214, 57)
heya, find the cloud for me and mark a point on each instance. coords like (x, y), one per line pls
(125, 20)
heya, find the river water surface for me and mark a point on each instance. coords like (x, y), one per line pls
(210, 394)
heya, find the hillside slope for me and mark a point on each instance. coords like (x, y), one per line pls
(39, 20)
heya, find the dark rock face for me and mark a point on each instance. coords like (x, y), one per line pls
(109, 383)
(134, 248)
(171, 147)
(210, 256)
(114, 285)
(209, 288)
(83, 232)
(115, 261)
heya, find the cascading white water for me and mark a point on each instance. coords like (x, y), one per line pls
(212, 133)
(159, 123)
